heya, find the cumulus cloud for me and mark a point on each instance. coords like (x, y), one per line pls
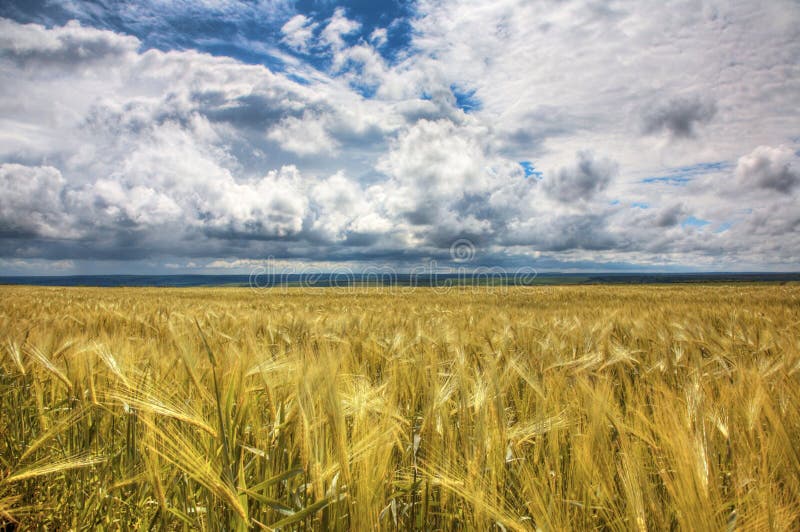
(31, 203)
(136, 205)
(443, 176)
(344, 211)
(305, 135)
(768, 168)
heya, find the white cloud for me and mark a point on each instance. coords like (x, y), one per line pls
(303, 135)
(140, 205)
(68, 47)
(446, 179)
(378, 37)
(298, 31)
(337, 27)
(30, 203)
(601, 67)
(344, 209)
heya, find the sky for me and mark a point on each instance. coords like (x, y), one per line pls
(217, 136)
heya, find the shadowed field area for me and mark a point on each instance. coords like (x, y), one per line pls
(612, 407)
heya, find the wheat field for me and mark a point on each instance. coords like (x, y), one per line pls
(551, 408)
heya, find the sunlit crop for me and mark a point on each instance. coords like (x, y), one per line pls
(620, 408)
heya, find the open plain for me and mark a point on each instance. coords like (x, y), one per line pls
(508, 408)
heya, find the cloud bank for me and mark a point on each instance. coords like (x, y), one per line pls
(563, 135)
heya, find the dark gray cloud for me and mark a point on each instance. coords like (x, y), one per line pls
(679, 117)
(582, 181)
(776, 169)
(249, 111)
(527, 137)
(670, 216)
(568, 232)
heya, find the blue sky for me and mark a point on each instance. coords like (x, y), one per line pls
(216, 136)
(244, 30)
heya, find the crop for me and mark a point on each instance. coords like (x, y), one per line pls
(610, 407)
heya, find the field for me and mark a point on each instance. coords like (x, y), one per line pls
(553, 408)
